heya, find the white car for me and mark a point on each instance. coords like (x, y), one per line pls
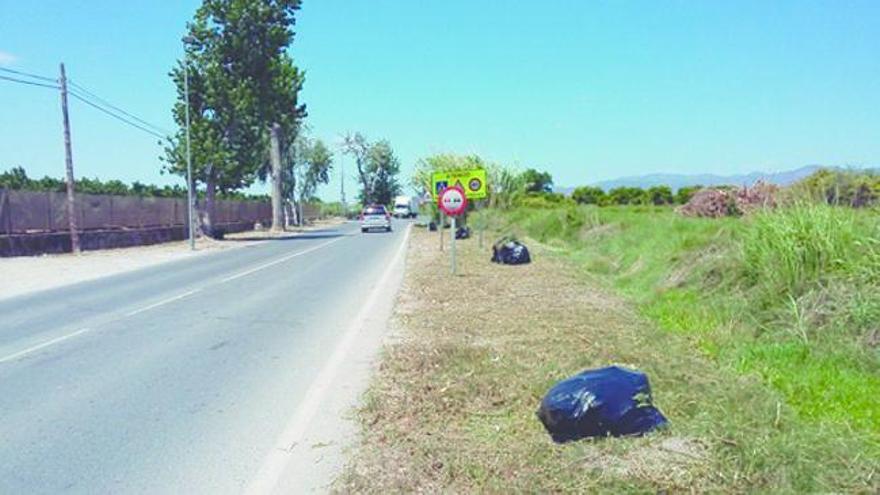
(375, 217)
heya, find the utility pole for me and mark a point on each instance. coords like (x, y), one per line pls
(342, 187)
(189, 179)
(68, 165)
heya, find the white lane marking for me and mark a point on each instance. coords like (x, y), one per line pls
(279, 260)
(163, 302)
(44, 344)
(273, 466)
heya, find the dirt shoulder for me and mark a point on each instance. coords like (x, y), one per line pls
(26, 274)
(452, 406)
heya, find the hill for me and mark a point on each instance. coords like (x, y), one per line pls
(676, 181)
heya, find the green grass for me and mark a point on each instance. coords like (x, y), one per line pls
(791, 295)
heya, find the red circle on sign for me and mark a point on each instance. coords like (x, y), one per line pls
(452, 201)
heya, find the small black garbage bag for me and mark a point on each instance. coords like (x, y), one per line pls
(510, 252)
(462, 232)
(432, 226)
(596, 403)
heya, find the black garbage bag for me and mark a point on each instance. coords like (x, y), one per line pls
(596, 403)
(510, 252)
(462, 232)
(432, 226)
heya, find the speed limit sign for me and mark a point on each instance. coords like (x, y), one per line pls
(452, 201)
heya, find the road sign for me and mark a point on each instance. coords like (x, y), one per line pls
(453, 201)
(472, 182)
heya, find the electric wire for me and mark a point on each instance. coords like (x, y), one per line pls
(106, 103)
(115, 116)
(28, 74)
(31, 83)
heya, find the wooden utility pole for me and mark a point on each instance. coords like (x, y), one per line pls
(275, 152)
(68, 164)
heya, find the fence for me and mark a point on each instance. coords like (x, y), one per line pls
(26, 212)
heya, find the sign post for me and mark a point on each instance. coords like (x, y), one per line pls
(453, 202)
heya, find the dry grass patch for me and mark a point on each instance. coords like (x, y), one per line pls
(452, 406)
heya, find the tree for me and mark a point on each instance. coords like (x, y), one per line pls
(241, 84)
(358, 147)
(626, 196)
(382, 168)
(588, 195)
(536, 182)
(15, 178)
(659, 195)
(684, 194)
(312, 164)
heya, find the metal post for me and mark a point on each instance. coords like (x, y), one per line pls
(453, 246)
(189, 179)
(440, 229)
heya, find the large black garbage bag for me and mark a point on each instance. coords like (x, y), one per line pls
(510, 253)
(462, 232)
(596, 403)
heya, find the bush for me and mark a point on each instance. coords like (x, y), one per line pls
(793, 249)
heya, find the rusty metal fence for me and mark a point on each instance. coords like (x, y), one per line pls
(23, 212)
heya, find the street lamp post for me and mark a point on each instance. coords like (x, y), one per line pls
(189, 179)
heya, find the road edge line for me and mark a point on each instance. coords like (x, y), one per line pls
(273, 466)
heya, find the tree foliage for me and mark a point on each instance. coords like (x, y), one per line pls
(659, 195)
(537, 182)
(241, 80)
(589, 195)
(17, 179)
(381, 170)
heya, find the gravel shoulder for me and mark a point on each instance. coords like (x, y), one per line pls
(27, 274)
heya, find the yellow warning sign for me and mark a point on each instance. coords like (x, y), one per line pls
(472, 181)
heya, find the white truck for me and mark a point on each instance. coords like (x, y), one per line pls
(405, 207)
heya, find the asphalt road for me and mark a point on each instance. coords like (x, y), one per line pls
(181, 377)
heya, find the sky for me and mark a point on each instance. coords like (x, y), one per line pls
(587, 90)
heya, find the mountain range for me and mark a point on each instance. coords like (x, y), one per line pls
(676, 181)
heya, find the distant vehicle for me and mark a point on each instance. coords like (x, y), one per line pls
(406, 207)
(375, 217)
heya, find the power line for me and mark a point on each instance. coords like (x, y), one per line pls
(117, 117)
(116, 108)
(21, 81)
(28, 74)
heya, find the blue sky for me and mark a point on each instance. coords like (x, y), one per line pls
(588, 90)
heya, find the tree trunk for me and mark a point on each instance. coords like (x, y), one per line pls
(301, 215)
(208, 210)
(275, 157)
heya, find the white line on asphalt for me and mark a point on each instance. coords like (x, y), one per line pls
(273, 466)
(280, 260)
(163, 302)
(44, 344)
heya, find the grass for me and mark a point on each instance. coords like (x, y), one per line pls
(791, 295)
(451, 408)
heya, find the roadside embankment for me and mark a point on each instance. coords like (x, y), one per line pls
(452, 406)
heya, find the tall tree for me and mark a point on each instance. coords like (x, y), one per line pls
(358, 147)
(382, 169)
(242, 85)
(309, 162)
(317, 163)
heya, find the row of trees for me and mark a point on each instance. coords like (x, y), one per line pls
(246, 120)
(16, 178)
(656, 195)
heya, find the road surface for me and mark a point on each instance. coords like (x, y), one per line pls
(183, 377)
